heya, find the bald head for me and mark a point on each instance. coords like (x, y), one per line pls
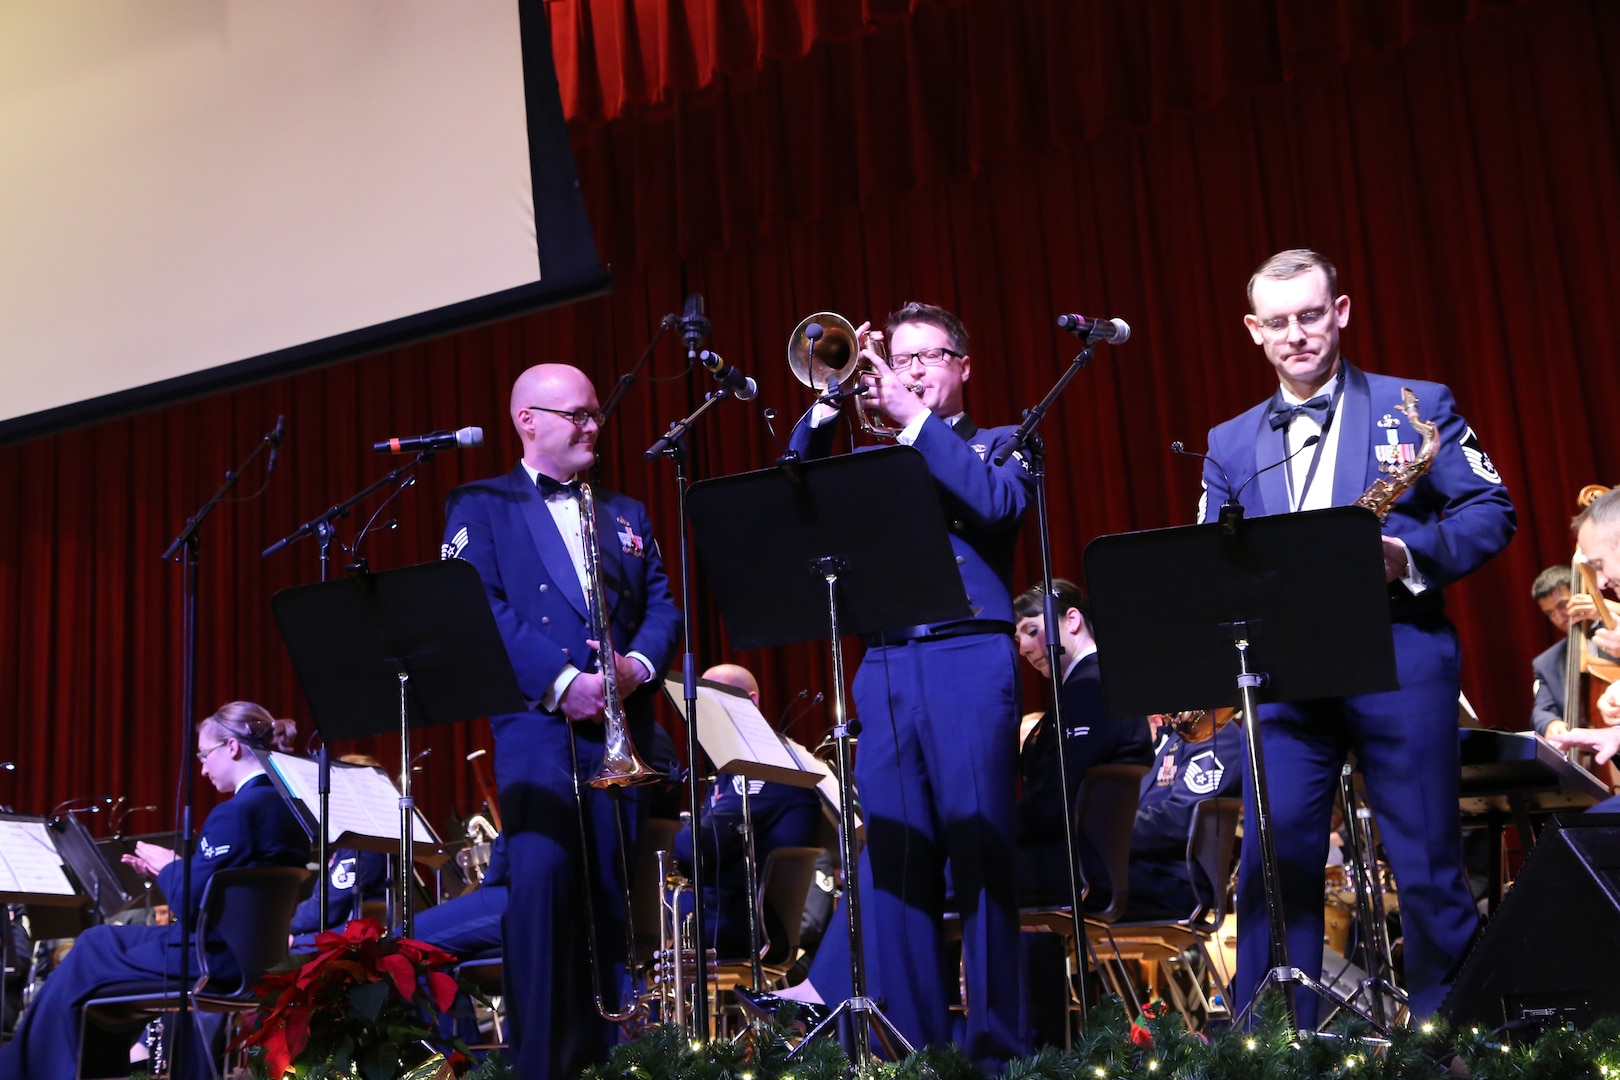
(735, 675)
(552, 443)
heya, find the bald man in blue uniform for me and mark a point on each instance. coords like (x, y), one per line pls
(522, 532)
(1445, 527)
(939, 707)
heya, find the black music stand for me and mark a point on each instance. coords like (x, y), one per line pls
(414, 647)
(823, 535)
(1238, 596)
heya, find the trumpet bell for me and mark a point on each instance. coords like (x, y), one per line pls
(835, 355)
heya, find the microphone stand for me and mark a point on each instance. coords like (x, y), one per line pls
(322, 528)
(186, 549)
(1026, 437)
(671, 446)
(622, 387)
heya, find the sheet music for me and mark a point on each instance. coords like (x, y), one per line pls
(363, 800)
(827, 785)
(29, 862)
(736, 736)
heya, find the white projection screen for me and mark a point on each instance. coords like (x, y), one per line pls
(195, 194)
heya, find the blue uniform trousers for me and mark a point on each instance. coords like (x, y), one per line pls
(1405, 743)
(936, 771)
(555, 1029)
(45, 1045)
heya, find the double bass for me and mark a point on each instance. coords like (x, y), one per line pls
(1587, 672)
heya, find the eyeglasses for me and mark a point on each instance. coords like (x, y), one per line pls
(929, 357)
(202, 755)
(1308, 319)
(577, 417)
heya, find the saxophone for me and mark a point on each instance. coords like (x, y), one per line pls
(1381, 494)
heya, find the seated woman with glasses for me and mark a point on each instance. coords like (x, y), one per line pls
(254, 827)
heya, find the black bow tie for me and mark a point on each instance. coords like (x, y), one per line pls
(1317, 408)
(549, 487)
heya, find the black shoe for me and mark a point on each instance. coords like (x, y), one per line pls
(774, 1009)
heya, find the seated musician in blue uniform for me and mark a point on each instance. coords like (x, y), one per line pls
(782, 816)
(1597, 531)
(1341, 429)
(1093, 738)
(1184, 774)
(254, 827)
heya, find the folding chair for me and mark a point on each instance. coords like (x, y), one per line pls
(250, 908)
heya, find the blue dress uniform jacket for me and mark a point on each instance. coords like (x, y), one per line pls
(254, 827)
(783, 816)
(1184, 774)
(1452, 521)
(352, 878)
(937, 769)
(503, 527)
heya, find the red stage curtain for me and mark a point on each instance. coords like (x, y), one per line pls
(1459, 161)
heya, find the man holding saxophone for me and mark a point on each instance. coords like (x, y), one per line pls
(523, 533)
(939, 708)
(1445, 526)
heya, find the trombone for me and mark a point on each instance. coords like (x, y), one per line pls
(621, 765)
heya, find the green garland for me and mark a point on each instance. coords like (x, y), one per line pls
(1115, 1048)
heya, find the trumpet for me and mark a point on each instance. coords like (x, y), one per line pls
(836, 354)
(621, 765)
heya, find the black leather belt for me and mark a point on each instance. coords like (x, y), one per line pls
(938, 631)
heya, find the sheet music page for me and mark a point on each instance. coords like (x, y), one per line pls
(29, 862)
(371, 793)
(736, 736)
(363, 800)
(827, 786)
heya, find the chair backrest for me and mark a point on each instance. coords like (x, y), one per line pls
(1105, 811)
(783, 889)
(250, 908)
(657, 834)
(1211, 852)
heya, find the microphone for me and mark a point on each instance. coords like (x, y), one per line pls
(274, 439)
(1113, 331)
(835, 392)
(1179, 447)
(741, 386)
(694, 326)
(1312, 441)
(459, 439)
(1232, 510)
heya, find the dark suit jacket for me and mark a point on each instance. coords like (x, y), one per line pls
(1094, 739)
(1548, 668)
(502, 527)
(1452, 521)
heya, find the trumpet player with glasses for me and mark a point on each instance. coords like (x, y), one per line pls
(542, 560)
(1442, 525)
(939, 706)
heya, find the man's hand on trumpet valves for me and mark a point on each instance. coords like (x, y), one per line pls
(891, 392)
